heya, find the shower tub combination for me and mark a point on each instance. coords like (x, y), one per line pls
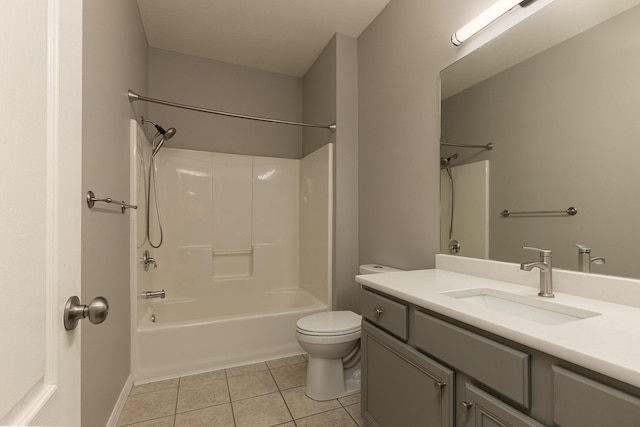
(246, 253)
(201, 335)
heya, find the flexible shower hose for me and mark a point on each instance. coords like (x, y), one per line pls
(152, 176)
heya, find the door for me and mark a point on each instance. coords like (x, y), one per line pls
(400, 386)
(40, 173)
(483, 410)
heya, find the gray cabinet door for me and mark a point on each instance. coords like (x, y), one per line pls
(582, 402)
(402, 387)
(484, 410)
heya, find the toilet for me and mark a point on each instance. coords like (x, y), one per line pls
(332, 340)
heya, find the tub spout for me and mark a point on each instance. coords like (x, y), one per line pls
(152, 294)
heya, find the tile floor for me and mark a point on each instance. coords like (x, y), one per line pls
(258, 395)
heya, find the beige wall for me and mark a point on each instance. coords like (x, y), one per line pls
(565, 128)
(330, 96)
(400, 56)
(319, 99)
(114, 59)
(218, 85)
(346, 164)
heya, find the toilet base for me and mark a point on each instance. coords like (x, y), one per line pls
(327, 379)
(352, 382)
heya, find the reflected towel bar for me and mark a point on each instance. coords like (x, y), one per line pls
(487, 147)
(570, 211)
(92, 199)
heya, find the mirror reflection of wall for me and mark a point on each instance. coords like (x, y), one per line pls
(566, 127)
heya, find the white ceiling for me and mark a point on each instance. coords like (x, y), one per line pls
(283, 36)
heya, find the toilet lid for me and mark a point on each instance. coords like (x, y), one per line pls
(329, 323)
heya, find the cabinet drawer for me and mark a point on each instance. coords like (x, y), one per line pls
(500, 367)
(582, 402)
(389, 315)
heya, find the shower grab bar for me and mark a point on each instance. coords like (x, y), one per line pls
(135, 97)
(487, 147)
(569, 211)
(240, 252)
(92, 199)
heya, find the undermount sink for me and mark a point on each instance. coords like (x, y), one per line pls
(529, 308)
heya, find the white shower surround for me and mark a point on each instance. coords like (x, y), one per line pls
(246, 253)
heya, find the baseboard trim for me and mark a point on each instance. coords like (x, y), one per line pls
(122, 399)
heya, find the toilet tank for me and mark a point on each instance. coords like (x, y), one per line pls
(376, 268)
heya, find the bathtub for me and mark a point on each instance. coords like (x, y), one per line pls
(191, 335)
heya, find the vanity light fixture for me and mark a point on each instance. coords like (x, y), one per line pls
(484, 19)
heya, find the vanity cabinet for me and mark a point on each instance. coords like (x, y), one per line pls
(420, 368)
(401, 386)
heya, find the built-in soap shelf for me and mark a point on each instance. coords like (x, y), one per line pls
(232, 264)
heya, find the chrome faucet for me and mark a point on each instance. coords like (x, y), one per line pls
(546, 278)
(585, 260)
(147, 260)
(152, 294)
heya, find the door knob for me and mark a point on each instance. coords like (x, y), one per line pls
(96, 311)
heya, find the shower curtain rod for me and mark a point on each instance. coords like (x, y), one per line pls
(135, 97)
(488, 146)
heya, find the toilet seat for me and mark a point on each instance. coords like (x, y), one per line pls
(329, 323)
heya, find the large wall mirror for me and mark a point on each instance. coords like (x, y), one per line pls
(558, 96)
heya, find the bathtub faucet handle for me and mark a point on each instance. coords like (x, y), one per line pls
(148, 259)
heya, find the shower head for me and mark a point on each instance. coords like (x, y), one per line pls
(164, 135)
(168, 134)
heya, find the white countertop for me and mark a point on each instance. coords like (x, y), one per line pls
(608, 343)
